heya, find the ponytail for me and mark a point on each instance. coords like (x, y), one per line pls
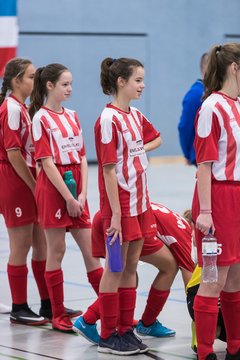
(112, 69)
(107, 87)
(220, 57)
(51, 73)
(14, 68)
(213, 78)
(38, 94)
(4, 91)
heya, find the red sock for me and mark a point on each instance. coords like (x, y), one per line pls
(205, 314)
(17, 277)
(127, 302)
(155, 302)
(38, 268)
(94, 278)
(108, 306)
(54, 281)
(230, 307)
(92, 315)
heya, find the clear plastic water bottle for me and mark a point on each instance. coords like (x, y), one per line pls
(209, 257)
(70, 182)
(115, 261)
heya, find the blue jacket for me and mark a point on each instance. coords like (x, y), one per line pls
(190, 105)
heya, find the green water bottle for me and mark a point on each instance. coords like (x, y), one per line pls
(70, 182)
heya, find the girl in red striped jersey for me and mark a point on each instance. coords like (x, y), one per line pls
(59, 148)
(217, 197)
(122, 135)
(17, 204)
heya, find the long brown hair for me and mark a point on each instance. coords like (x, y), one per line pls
(51, 73)
(112, 69)
(220, 57)
(14, 68)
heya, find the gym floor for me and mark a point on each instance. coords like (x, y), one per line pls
(170, 183)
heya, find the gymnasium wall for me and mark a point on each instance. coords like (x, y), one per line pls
(169, 37)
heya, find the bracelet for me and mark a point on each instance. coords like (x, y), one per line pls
(205, 211)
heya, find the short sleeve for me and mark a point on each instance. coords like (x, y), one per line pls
(106, 141)
(149, 132)
(11, 120)
(41, 138)
(208, 132)
(83, 149)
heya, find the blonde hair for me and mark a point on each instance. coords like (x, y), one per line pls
(187, 215)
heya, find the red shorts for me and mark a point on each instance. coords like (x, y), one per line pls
(51, 205)
(17, 203)
(135, 227)
(182, 252)
(150, 245)
(226, 219)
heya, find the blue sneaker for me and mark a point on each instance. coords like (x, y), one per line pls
(86, 330)
(156, 329)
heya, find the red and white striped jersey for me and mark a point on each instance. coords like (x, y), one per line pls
(176, 233)
(170, 225)
(15, 130)
(119, 138)
(218, 136)
(58, 135)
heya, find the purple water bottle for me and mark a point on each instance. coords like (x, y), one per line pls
(115, 261)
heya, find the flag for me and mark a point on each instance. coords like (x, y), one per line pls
(8, 32)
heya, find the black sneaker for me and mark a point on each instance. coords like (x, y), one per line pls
(131, 338)
(27, 317)
(211, 356)
(117, 345)
(47, 312)
(73, 313)
(233, 357)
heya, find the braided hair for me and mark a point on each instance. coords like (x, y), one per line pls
(14, 68)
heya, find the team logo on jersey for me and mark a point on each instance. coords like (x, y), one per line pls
(71, 143)
(136, 148)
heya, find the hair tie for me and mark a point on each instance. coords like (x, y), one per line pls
(114, 60)
(219, 48)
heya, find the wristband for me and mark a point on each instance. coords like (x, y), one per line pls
(205, 211)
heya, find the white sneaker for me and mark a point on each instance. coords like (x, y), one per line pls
(4, 309)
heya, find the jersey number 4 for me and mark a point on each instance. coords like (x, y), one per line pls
(58, 214)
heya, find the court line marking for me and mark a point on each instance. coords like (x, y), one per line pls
(30, 352)
(153, 356)
(191, 357)
(11, 356)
